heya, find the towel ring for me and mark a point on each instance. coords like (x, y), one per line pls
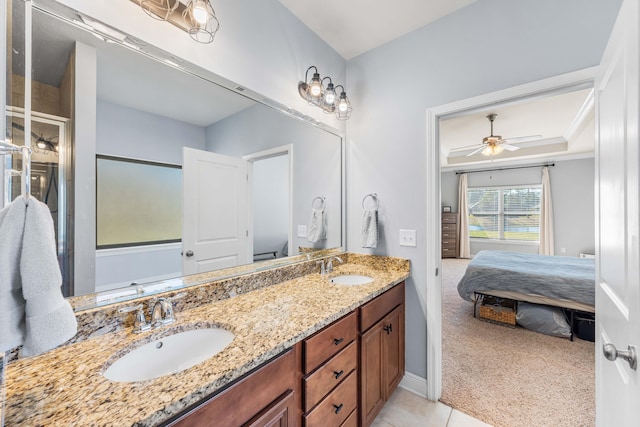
(323, 201)
(374, 196)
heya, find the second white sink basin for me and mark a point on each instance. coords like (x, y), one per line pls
(351, 279)
(169, 355)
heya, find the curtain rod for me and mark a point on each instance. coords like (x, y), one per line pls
(505, 169)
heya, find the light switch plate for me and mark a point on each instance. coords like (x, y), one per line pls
(302, 231)
(408, 238)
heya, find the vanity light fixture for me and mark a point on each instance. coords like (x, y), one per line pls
(316, 94)
(159, 9)
(196, 17)
(201, 19)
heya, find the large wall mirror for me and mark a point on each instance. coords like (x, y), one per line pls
(183, 175)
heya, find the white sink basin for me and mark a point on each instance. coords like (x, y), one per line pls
(351, 279)
(169, 355)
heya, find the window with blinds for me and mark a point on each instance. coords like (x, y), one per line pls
(505, 213)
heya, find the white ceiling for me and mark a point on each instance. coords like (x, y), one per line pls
(565, 122)
(352, 27)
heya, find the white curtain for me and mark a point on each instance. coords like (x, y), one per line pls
(546, 216)
(463, 208)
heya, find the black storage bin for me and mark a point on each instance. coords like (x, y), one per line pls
(584, 326)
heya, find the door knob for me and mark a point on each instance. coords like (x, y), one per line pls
(612, 353)
(189, 254)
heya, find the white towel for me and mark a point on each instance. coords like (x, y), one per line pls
(33, 311)
(317, 229)
(369, 228)
(50, 320)
(12, 328)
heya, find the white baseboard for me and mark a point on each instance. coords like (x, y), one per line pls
(414, 383)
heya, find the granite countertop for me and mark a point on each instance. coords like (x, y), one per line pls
(66, 387)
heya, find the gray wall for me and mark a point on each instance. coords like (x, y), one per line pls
(484, 47)
(270, 193)
(316, 162)
(134, 134)
(572, 187)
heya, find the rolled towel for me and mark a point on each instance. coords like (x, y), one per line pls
(50, 320)
(369, 228)
(317, 229)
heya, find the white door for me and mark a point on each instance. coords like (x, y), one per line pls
(214, 220)
(617, 217)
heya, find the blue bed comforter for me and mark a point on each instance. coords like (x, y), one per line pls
(557, 277)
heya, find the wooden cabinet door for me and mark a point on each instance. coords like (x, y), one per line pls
(280, 413)
(393, 354)
(372, 379)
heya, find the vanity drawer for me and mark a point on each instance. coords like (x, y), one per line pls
(450, 243)
(325, 379)
(377, 308)
(448, 235)
(329, 341)
(336, 407)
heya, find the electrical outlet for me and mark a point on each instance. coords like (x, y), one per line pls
(408, 238)
(563, 250)
(302, 231)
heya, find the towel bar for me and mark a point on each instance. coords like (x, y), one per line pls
(323, 201)
(374, 196)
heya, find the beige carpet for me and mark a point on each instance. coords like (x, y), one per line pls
(511, 377)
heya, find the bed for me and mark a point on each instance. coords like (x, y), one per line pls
(560, 281)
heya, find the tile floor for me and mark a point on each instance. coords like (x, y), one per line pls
(405, 409)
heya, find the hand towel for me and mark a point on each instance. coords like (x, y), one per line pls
(317, 229)
(49, 318)
(369, 232)
(12, 327)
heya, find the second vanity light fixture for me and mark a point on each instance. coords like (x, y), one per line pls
(196, 17)
(327, 98)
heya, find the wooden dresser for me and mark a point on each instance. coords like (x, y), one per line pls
(450, 235)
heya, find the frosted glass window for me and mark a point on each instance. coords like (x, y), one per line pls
(137, 203)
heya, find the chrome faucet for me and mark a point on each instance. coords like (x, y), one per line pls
(330, 263)
(162, 313)
(140, 321)
(323, 269)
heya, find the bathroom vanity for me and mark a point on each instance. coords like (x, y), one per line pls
(305, 350)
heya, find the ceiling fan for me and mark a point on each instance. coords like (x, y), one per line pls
(496, 144)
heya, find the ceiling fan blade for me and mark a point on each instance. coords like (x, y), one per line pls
(475, 151)
(523, 138)
(509, 147)
(465, 148)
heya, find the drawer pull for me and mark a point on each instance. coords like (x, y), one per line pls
(389, 329)
(338, 407)
(337, 341)
(338, 374)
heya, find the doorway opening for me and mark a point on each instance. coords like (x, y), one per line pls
(582, 78)
(270, 190)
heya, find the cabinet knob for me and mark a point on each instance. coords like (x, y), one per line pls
(388, 328)
(338, 374)
(338, 407)
(338, 341)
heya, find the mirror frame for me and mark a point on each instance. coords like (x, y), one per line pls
(93, 300)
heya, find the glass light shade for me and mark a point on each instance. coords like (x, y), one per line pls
(344, 109)
(492, 149)
(200, 13)
(315, 87)
(330, 95)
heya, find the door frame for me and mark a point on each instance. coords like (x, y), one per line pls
(262, 155)
(433, 291)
